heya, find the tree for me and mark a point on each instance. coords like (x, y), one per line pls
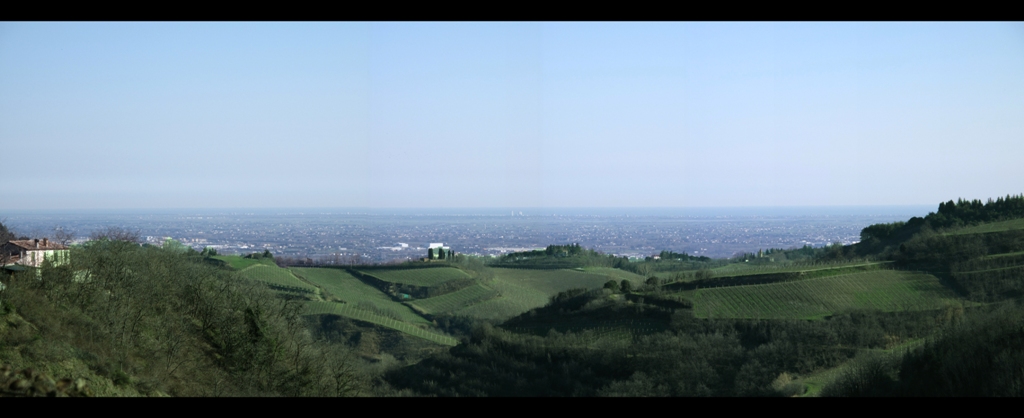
(703, 274)
(5, 234)
(611, 284)
(63, 236)
(626, 286)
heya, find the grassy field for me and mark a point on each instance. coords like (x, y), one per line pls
(455, 301)
(519, 290)
(425, 277)
(991, 227)
(276, 276)
(550, 282)
(350, 311)
(815, 298)
(616, 274)
(342, 285)
(238, 263)
(512, 299)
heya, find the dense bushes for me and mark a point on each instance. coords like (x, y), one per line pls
(694, 357)
(163, 320)
(979, 355)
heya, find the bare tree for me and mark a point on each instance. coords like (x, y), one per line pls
(116, 233)
(63, 236)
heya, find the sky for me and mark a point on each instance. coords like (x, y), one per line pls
(508, 114)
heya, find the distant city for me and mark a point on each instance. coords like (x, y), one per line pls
(388, 236)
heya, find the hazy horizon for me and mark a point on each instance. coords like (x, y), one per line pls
(516, 115)
(707, 211)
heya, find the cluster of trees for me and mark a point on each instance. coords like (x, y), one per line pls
(964, 212)
(166, 321)
(266, 254)
(950, 215)
(669, 255)
(974, 355)
(439, 254)
(7, 235)
(571, 250)
(691, 357)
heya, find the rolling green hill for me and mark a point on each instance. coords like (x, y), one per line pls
(884, 290)
(455, 301)
(354, 312)
(344, 287)
(276, 277)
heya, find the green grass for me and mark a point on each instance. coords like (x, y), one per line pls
(238, 263)
(616, 274)
(350, 311)
(276, 276)
(884, 290)
(991, 227)
(455, 301)
(344, 286)
(426, 277)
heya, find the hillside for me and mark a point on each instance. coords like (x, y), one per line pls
(903, 312)
(140, 320)
(786, 323)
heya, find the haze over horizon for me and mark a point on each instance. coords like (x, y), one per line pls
(163, 115)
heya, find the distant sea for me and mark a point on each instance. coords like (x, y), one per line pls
(378, 234)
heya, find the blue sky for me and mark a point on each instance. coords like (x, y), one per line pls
(215, 115)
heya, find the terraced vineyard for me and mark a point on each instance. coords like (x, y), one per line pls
(991, 227)
(814, 298)
(350, 311)
(455, 301)
(276, 276)
(519, 290)
(425, 277)
(346, 287)
(513, 299)
(550, 282)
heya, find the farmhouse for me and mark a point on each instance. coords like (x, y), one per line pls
(438, 250)
(32, 252)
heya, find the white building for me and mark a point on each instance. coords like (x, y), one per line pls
(31, 252)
